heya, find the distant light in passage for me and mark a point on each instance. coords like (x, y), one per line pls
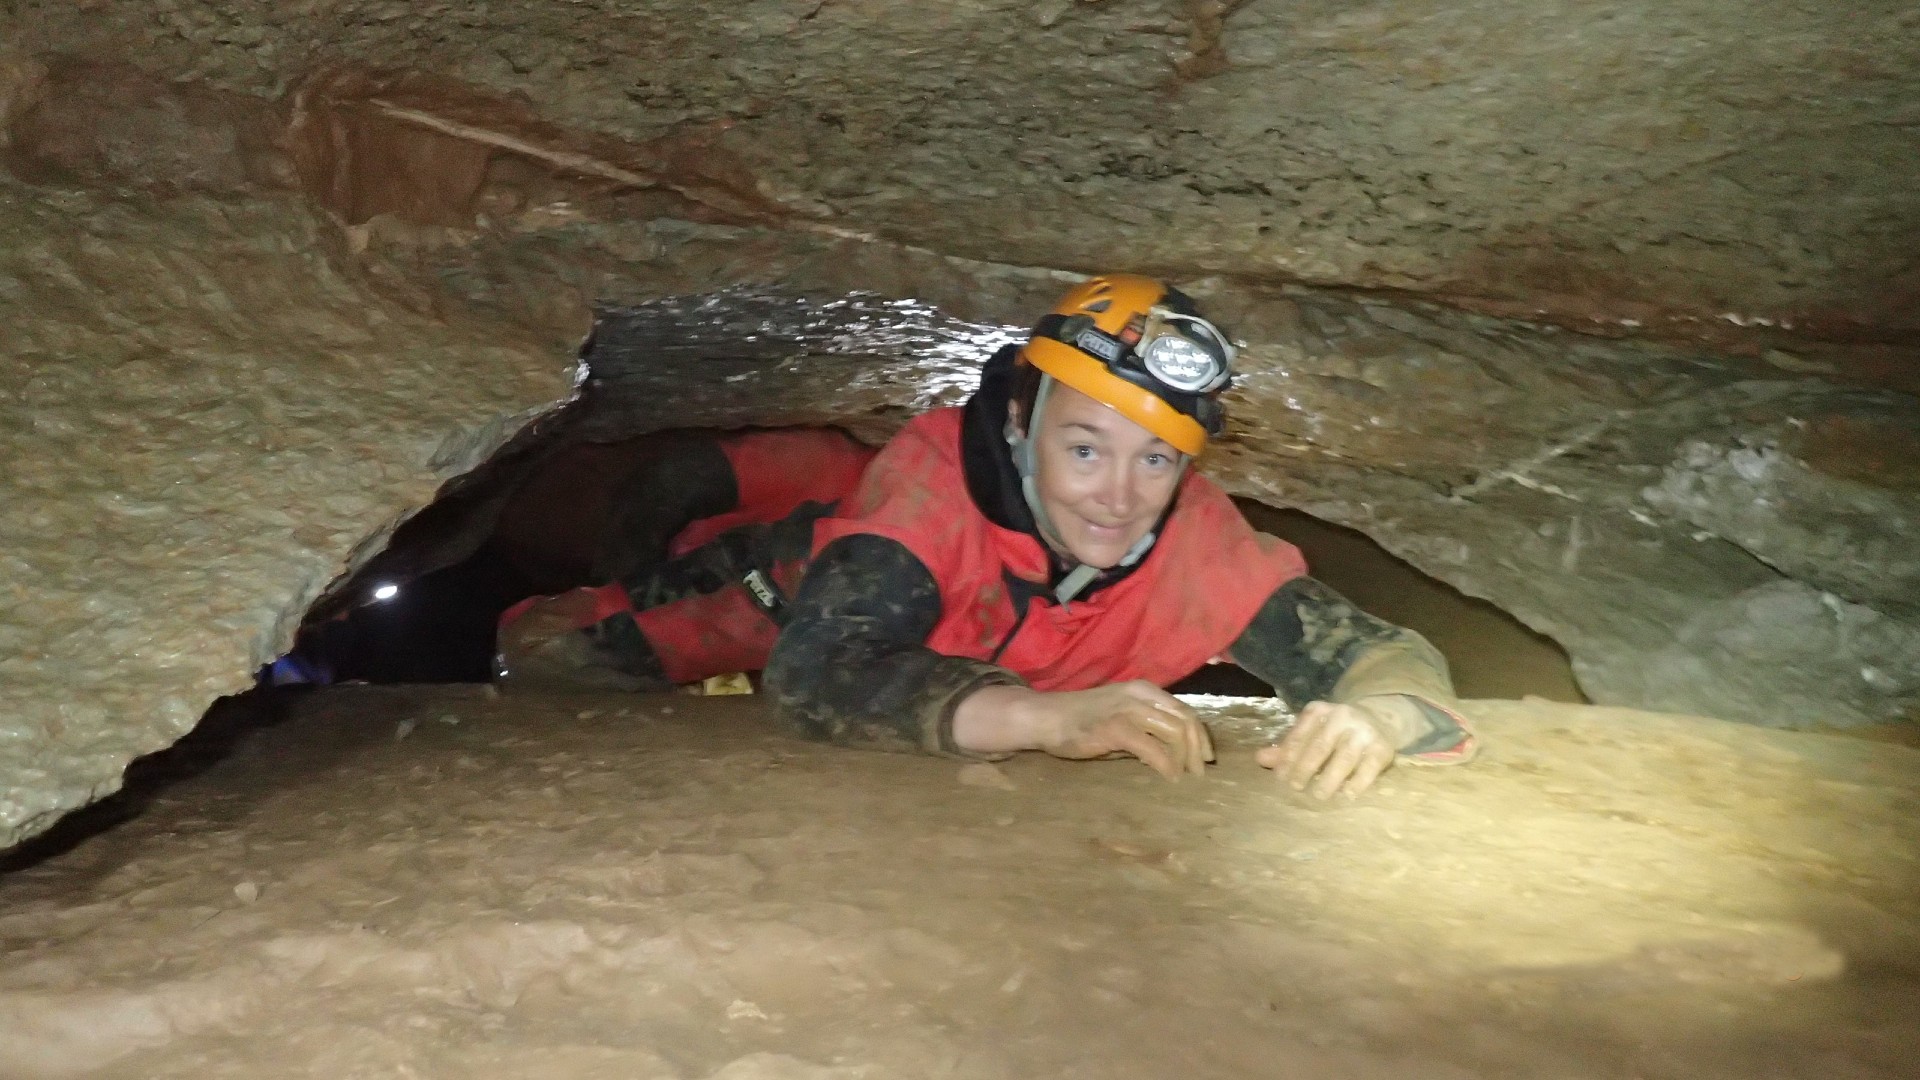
(385, 592)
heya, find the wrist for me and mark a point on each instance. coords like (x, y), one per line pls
(1400, 718)
(1000, 720)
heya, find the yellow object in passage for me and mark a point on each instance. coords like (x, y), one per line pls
(736, 683)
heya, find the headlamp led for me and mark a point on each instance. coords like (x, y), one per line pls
(1185, 352)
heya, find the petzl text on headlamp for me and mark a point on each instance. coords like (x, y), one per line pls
(1184, 353)
(1098, 339)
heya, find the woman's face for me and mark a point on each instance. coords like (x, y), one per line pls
(1102, 479)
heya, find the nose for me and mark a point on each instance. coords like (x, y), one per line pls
(1119, 492)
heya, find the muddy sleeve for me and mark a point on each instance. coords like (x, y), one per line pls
(1311, 644)
(727, 559)
(852, 665)
(657, 500)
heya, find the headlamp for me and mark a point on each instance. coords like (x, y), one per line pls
(1141, 348)
(1185, 352)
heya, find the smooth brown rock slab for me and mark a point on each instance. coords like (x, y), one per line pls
(441, 883)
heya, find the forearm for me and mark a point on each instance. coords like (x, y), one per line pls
(1410, 670)
(1311, 644)
(851, 667)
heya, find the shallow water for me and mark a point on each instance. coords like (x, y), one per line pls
(1491, 654)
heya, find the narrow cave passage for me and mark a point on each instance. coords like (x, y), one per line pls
(438, 626)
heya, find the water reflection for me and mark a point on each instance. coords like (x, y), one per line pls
(723, 353)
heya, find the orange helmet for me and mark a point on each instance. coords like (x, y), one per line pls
(1141, 348)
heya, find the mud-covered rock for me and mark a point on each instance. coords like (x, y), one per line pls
(671, 888)
(110, 123)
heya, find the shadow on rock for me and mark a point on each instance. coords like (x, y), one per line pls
(220, 732)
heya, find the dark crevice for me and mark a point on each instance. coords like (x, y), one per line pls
(216, 737)
(547, 513)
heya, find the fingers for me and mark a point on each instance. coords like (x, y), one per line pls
(1197, 748)
(1147, 748)
(1136, 718)
(1350, 746)
(1315, 751)
(1178, 736)
(1333, 748)
(1375, 763)
(1147, 693)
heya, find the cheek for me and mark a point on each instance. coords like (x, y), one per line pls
(1154, 491)
(1058, 493)
(1059, 482)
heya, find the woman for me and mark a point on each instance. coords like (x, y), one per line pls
(1028, 571)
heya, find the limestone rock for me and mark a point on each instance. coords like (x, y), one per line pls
(1684, 163)
(1772, 489)
(202, 416)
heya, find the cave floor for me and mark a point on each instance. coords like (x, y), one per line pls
(427, 882)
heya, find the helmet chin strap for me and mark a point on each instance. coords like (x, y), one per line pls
(1025, 462)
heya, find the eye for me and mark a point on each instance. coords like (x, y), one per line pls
(1081, 451)
(1157, 461)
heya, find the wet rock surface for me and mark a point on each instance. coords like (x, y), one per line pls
(1696, 160)
(441, 884)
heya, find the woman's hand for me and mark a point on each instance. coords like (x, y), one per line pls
(1343, 748)
(1136, 718)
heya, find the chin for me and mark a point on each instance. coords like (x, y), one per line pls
(1104, 555)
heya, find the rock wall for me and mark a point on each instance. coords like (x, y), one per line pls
(204, 418)
(1683, 161)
